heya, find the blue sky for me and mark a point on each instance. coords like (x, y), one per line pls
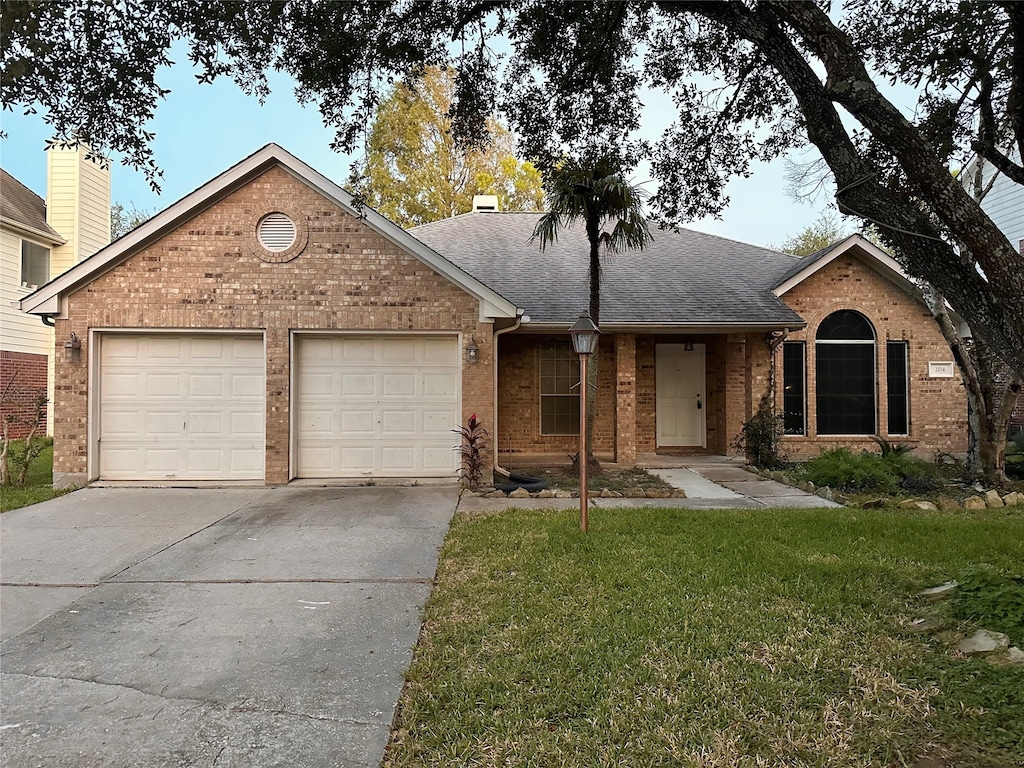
(201, 130)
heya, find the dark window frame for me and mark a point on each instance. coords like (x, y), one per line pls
(897, 387)
(559, 368)
(794, 388)
(846, 375)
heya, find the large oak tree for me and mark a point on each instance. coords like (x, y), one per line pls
(751, 79)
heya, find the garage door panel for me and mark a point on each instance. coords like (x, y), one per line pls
(395, 403)
(187, 407)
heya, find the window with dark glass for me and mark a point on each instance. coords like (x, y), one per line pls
(559, 389)
(845, 380)
(35, 264)
(794, 388)
(897, 380)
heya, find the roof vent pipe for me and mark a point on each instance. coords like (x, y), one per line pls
(485, 203)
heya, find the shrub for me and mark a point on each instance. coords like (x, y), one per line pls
(760, 438)
(851, 472)
(867, 472)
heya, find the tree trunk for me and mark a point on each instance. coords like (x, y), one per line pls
(992, 392)
(594, 467)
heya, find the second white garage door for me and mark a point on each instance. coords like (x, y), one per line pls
(376, 406)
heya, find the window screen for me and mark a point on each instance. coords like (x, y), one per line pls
(559, 389)
(845, 361)
(794, 388)
(35, 264)
(897, 380)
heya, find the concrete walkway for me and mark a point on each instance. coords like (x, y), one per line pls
(710, 482)
(158, 628)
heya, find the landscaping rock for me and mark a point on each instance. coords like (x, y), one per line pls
(678, 493)
(825, 493)
(1011, 657)
(1013, 499)
(608, 493)
(993, 500)
(635, 493)
(974, 502)
(547, 493)
(563, 495)
(915, 504)
(496, 495)
(519, 493)
(927, 624)
(874, 503)
(658, 493)
(983, 642)
(940, 592)
(947, 504)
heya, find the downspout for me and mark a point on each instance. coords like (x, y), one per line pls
(48, 320)
(520, 319)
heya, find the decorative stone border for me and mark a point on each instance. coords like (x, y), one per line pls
(632, 493)
(253, 245)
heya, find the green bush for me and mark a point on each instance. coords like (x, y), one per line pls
(867, 472)
(992, 599)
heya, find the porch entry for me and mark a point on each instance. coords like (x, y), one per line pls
(680, 395)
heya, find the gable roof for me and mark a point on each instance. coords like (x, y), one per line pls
(681, 280)
(859, 246)
(24, 210)
(48, 299)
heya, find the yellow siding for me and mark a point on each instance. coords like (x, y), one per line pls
(18, 332)
(78, 206)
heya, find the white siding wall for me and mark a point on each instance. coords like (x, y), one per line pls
(1004, 203)
(19, 332)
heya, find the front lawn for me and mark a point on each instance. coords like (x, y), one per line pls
(37, 486)
(707, 638)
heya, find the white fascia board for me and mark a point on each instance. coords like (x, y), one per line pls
(41, 301)
(889, 266)
(38, 234)
(663, 328)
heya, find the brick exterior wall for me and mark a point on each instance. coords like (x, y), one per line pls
(938, 407)
(22, 381)
(207, 274)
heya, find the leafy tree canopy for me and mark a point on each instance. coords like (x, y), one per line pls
(125, 218)
(827, 229)
(415, 172)
(779, 74)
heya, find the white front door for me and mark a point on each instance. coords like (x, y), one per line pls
(376, 406)
(680, 394)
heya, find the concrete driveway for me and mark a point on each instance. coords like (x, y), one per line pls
(229, 627)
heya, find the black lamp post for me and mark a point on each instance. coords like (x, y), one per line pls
(584, 334)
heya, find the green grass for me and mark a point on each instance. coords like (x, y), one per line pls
(706, 638)
(37, 486)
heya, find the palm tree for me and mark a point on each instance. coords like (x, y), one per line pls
(594, 191)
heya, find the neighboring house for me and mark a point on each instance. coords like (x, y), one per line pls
(266, 328)
(1003, 201)
(38, 241)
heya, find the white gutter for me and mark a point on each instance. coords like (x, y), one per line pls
(520, 319)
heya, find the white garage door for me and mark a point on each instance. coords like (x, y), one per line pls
(182, 407)
(376, 406)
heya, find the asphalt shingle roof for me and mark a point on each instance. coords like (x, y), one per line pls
(21, 205)
(681, 278)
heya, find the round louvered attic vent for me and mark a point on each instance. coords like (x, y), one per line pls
(276, 232)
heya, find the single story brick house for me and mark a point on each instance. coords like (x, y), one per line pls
(267, 328)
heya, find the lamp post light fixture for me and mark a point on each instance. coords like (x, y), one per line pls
(584, 334)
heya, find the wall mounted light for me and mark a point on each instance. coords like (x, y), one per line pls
(73, 348)
(472, 351)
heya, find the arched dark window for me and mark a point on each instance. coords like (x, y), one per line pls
(846, 384)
